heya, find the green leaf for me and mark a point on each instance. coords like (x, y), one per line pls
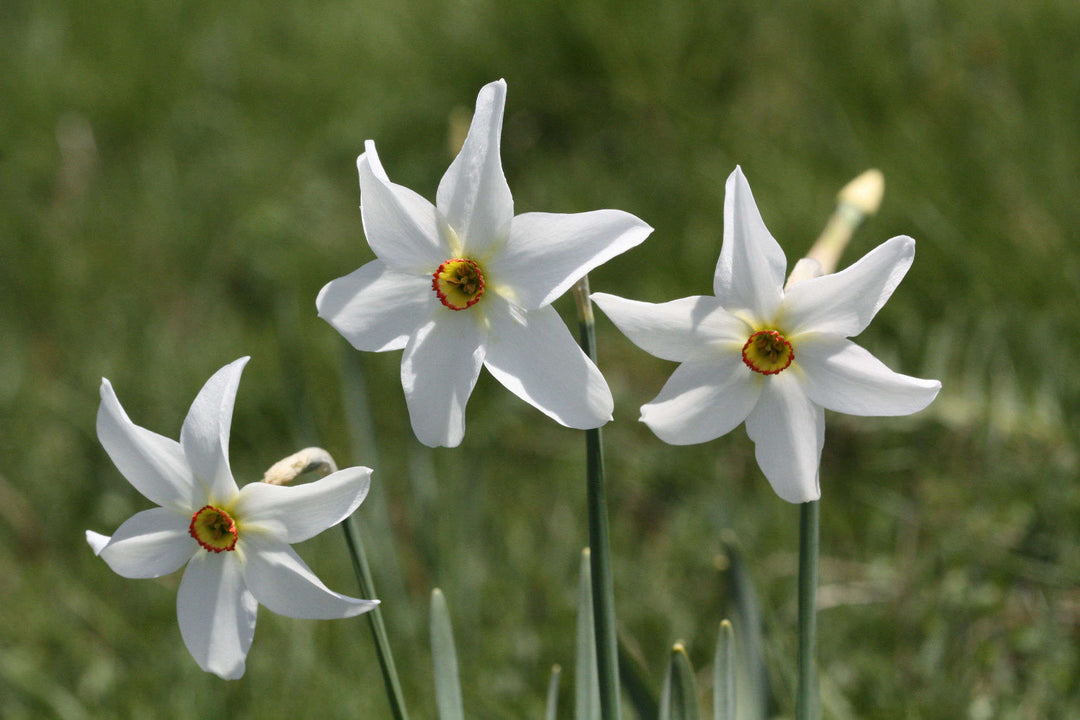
(678, 698)
(444, 660)
(636, 682)
(724, 674)
(586, 679)
(755, 692)
(553, 693)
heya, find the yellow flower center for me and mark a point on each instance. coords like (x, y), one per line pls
(459, 283)
(767, 352)
(214, 529)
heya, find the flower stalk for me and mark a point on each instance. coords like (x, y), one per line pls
(806, 700)
(319, 461)
(603, 595)
(378, 629)
(855, 202)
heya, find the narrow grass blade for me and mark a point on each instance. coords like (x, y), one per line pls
(678, 699)
(586, 682)
(553, 694)
(444, 660)
(724, 674)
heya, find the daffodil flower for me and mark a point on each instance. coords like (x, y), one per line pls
(775, 358)
(235, 542)
(465, 283)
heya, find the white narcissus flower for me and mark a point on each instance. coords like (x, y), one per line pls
(773, 357)
(465, 283)
(235, 542)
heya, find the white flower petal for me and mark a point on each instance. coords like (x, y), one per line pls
(750, 271)
(438, 372)
(537, 359)
(216, 613)
(152, 463)
(674, 330)
(844, 377)
(706, 397)
(473, 194)
(282, 582)
(547, 252)
(401, 226)
(149, 544)
(295, 513)
(376, 308)
(97, 541)
(844, 303)
(788, 431)
(205, 434)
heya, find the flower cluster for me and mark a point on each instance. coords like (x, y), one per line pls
(465, 283)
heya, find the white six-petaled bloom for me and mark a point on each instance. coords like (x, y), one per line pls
(234, 541)
(464, 283)
(771, 356)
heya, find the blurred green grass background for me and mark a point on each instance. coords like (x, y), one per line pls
(177, 181)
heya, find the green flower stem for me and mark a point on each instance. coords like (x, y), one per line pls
(316, 460)
(607, 657)
(378, 629)
(806, 701)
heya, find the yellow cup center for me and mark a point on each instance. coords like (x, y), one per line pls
(459, 283)
(767, 352)
(214, 529)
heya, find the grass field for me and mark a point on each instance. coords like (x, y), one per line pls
(177, 181)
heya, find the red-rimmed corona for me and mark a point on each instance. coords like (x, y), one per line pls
(214, 529)
(767, 352)
(459, 283)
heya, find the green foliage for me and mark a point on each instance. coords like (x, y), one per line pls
(551, 711)
(444, 660)
(586, 680)
(725, 691)
(678, 697)
(177, 182)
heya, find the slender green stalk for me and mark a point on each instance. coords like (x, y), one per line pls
(317, 460)
(378, 629)
(607, 652)
(806, 700)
